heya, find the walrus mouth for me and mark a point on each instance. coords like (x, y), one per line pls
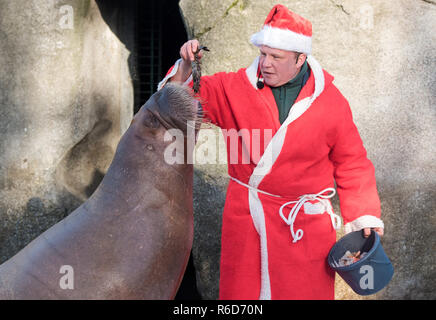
(175, 107)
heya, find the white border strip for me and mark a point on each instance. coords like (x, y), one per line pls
(266, 162)
(284, 39)
(366, 221)
(171, 74)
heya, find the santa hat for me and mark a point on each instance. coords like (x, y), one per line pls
(286, 30)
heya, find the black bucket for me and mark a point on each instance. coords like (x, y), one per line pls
(372, 272)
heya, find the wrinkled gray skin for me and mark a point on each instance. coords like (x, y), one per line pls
(132, 238)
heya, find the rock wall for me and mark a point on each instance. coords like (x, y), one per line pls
(382, 54)
(66, 97)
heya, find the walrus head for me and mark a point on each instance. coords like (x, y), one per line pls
(173, 107)
(170, 118)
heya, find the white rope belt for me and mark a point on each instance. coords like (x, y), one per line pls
(253, 188)
(336, 220)
(320, 197)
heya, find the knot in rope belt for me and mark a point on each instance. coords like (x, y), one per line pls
(336, 220)
(320, 197)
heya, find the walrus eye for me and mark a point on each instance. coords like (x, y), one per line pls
(151, 121)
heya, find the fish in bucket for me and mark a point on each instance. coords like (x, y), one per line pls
(361, 262)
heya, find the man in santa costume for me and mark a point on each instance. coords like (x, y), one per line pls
(278, 222)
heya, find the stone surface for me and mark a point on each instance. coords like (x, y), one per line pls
(65, 99)
(382, 56)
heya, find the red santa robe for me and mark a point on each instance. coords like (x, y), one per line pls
(278, 224)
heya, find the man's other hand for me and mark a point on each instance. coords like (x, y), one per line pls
(367, 232)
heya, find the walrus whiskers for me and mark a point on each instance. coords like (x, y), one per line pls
(176, 103)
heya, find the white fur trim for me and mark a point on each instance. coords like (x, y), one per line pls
(318, 73)
(251, 72)
(188, 80)
(362, 222)
(282, 39)
(171, 74)
(258, 216)
(275, 146)
(267, 160)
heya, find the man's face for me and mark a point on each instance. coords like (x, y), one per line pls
(279, 66)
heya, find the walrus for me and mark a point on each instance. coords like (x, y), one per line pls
(132, 238)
